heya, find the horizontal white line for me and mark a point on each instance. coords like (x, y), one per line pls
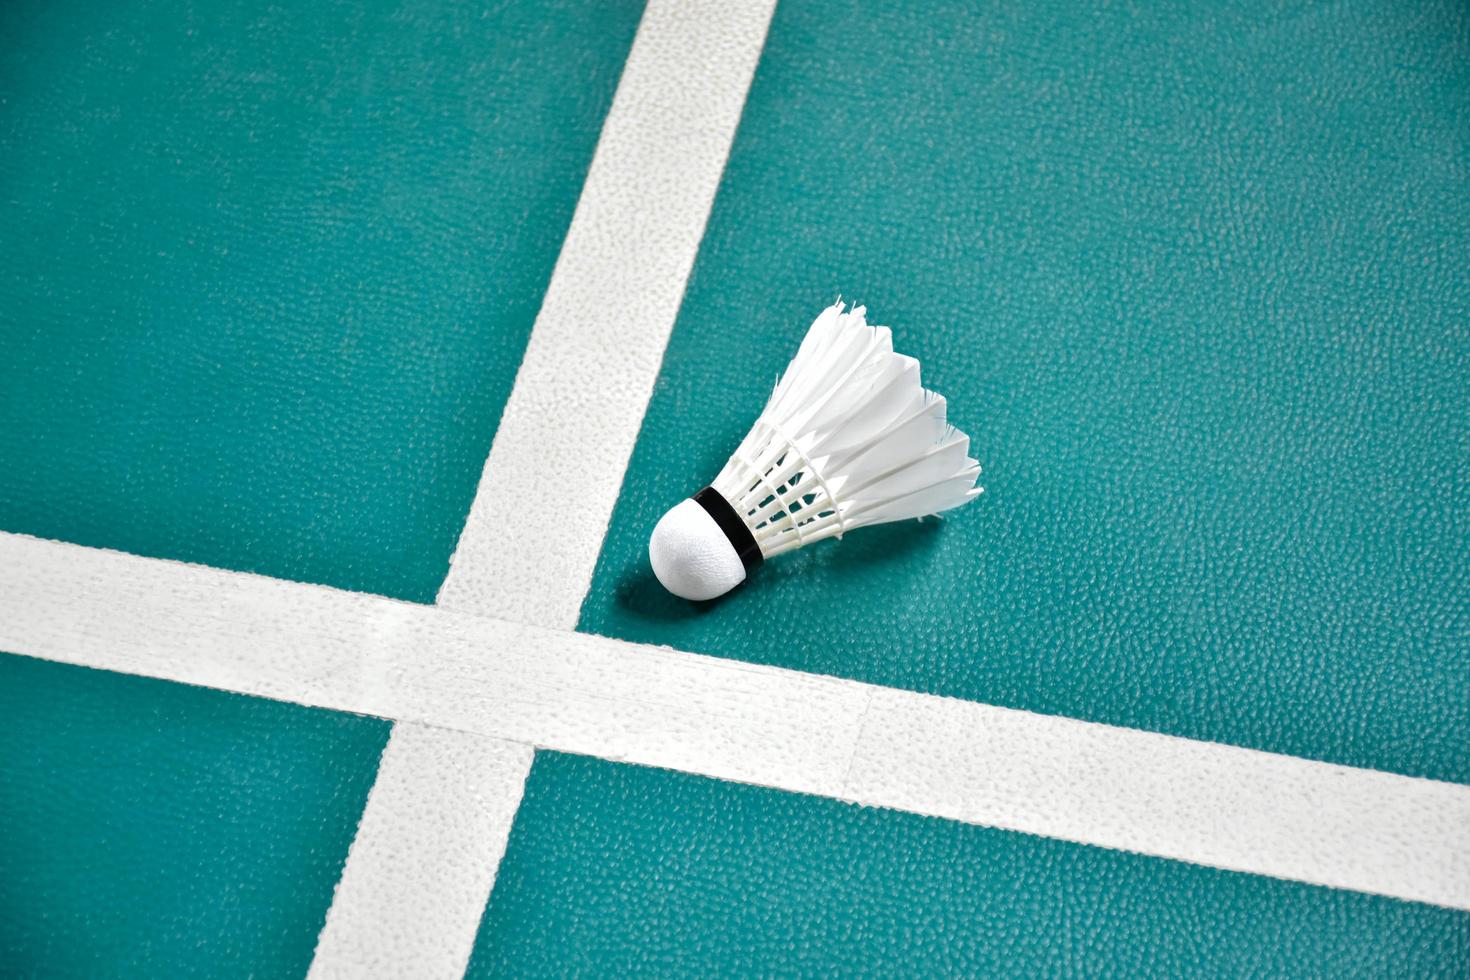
(1138, 791)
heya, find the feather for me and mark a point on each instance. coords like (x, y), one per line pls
(850, 437)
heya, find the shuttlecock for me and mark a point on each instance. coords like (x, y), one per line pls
(849, 438)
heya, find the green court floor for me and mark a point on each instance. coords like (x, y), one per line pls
(1197, 288)
(1194, 280)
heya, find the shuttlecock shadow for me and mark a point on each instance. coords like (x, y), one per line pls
(640, 593)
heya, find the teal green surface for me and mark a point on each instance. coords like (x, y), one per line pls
(616, 870)
(154, 829)
(267, 272)
(1195, 280)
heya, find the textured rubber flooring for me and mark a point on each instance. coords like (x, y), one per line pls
(1193, 280)
(622, 871)
(157, 829)
(266, 273)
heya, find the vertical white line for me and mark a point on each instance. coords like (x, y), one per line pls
(424, 860)
(420, 869)
(536, 527)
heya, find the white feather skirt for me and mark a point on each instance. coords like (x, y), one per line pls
(850, 437)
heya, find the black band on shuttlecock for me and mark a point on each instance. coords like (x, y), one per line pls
(729, 522)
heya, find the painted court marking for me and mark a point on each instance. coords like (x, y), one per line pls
(424, 858)
(1200, 802)
(492, 671)
(592, 360)
(423, 862)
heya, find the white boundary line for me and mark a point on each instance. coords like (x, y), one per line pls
(1154, 794)
(424, 858)
(426, 853)
(533, 535)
